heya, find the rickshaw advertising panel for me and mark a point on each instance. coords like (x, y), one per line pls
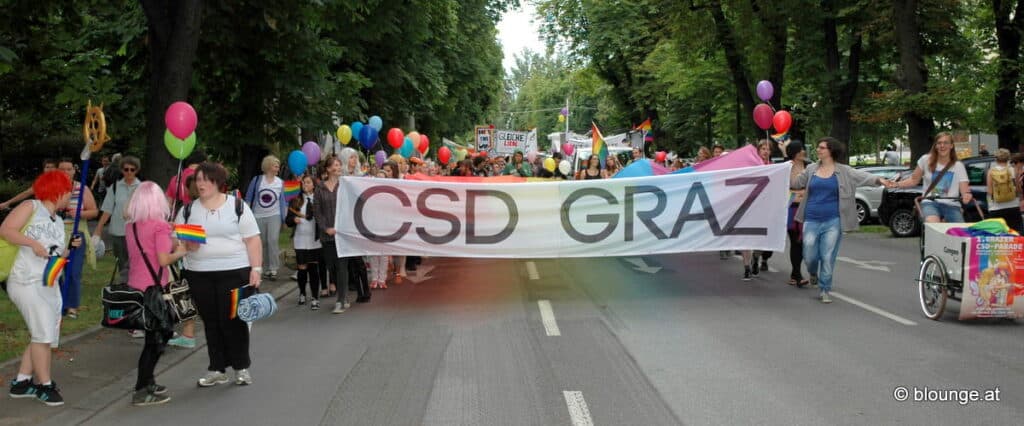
(996, 279)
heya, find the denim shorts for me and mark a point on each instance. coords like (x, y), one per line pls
(947, 212)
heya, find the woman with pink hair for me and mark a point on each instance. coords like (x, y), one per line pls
(149, 241)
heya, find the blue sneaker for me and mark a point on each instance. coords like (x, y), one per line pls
(183, 342)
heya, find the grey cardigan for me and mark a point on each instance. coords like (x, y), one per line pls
(849, 179)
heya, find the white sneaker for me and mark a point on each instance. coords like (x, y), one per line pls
(338, 308)
(213, 378)
(242, 377)
(138, 334)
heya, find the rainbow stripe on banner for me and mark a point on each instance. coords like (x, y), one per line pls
(53, 270)
(193, 233)
(292, 188)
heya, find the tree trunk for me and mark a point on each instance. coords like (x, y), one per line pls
(842, 87)
(173, 39)
(913, 74)
(777, 23)
(1008, 35)
(723, 31)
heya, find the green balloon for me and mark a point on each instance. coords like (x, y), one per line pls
(177, 147)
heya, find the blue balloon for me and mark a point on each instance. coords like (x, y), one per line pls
(376, 123)
(356, 127)
(368, 136)
(297, 162)
(407, 148)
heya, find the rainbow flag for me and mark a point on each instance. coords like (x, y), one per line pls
(292, 188)
(193, 233)
(781, 137)
(53, 269)
(233, 309)
(645, 126)
(599, 148)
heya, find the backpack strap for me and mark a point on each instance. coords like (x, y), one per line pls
(239, 209)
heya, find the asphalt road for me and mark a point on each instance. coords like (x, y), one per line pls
(661, 340)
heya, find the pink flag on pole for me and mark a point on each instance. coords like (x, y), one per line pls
(743, 157)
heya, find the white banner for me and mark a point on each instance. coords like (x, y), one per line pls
(507, 142)
(722, 210)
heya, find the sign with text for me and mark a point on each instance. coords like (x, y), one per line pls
(722, 210)
(507, 142)
(995, 271)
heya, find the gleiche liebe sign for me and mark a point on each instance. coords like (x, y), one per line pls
(722, 210)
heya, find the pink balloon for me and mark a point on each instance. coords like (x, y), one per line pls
(763, 116)
(568, 148)
(181, 119)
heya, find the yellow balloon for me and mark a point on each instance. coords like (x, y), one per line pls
(550, 164)
(344, 134)
(561, 118)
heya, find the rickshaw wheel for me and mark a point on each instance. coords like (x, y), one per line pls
(932, 283)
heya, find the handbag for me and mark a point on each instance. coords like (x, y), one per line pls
(122, 306)
(177, 294)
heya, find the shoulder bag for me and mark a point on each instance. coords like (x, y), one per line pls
(177, 294)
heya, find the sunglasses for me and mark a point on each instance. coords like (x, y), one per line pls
(128, 170)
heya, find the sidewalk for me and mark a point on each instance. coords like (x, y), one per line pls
(97, 368)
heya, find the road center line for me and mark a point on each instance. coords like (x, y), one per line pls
(531, 270)
(578, 411)
(870, 308)
(547, 317)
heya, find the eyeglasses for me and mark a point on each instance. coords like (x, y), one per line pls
(128, 170)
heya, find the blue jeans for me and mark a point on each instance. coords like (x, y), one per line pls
(946, 212)
(821, 246)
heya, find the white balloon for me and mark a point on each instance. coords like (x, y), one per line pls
(565, 167)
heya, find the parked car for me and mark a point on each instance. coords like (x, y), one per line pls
(897, 209)
(869, 197)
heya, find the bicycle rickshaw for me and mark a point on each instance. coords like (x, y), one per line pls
(945, 270)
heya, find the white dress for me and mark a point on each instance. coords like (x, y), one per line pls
(40, 306)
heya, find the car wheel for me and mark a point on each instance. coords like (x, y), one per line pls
(904, 223)
(862, 212)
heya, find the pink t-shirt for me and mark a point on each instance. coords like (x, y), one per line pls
(172, 187)
(156, 238)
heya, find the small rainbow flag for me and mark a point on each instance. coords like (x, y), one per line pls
(233, 309)
(292, 188)
(781, 137)
(53, 270)
(599, 147)
(645, 126)
(193, 233)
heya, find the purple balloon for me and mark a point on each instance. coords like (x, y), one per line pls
(765, 90)
(565, 112)
(312, 151)
(379, 157)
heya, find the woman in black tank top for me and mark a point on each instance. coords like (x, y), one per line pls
(593, 170)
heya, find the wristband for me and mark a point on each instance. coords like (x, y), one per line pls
(257, 269)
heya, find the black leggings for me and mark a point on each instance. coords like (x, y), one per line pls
(156, 342)
(796, 253)
(311, 273)
(337, 268)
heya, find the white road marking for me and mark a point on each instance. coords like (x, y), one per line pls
(873, 309)
(547, 317)
(578, 411)
(873, 265)
(531, 270)
(640, 265)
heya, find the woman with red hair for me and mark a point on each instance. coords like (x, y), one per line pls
(39, 303)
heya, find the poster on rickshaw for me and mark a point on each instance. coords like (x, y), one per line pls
(995, 287)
